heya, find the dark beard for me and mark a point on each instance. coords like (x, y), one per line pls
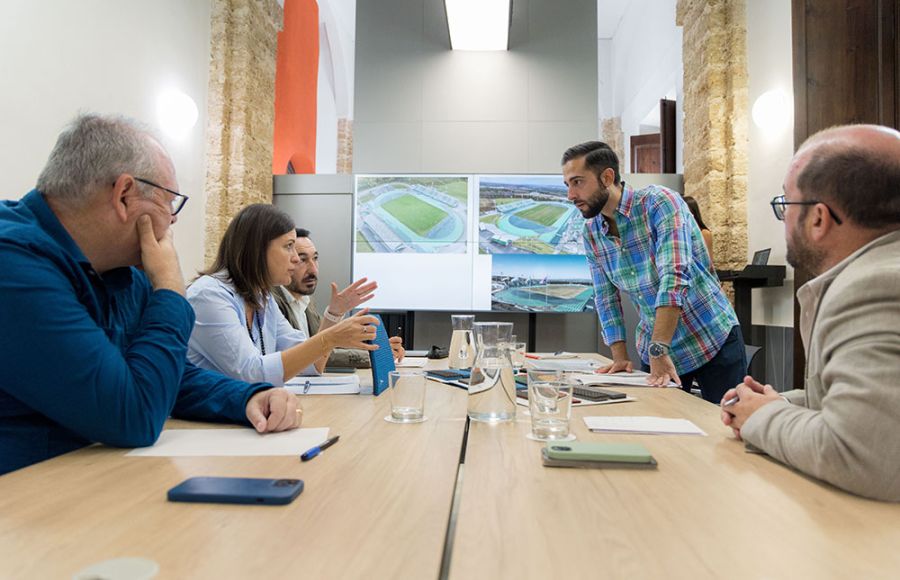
(801, 256)
(596, 203)
(302, 291)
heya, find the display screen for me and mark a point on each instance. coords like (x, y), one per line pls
(470, 242)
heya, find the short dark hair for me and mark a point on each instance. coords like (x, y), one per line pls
(598, 157)
(302, 233)
(859, 182)
(244, 248)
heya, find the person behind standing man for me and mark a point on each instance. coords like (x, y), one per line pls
(841, 212)
(296, 303)
(92, 348)
(646, 244)
(704, 231)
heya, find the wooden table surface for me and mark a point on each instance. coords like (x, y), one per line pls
(375, 505)
(710, 510)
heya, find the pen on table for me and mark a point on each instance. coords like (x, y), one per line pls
(319, 448)
(530, 355)
(306, 386)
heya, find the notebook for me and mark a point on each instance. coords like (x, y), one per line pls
(382, 359)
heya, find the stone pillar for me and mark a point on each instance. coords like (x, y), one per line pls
(715, 120)
(611, 134)
(345, 146)
(241, 106)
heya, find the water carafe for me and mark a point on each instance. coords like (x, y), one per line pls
(462, 342)
(492, 386)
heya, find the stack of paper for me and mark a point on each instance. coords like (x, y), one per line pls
(582, 365)
(411, 362)
(635, 379)
(646, 425)
(330, 385)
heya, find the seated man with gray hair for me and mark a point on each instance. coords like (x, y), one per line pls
(94, 325)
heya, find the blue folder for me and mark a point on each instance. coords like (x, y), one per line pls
(382, 359)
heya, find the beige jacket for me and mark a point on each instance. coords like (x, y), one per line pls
(844, 428)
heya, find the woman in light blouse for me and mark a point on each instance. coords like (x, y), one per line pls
(239, 330)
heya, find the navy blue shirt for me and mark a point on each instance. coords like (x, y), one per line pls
(89, 358)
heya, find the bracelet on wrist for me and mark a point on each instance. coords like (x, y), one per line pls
(327, 315)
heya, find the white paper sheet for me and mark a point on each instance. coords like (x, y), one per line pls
(410, 362)
(582, 365)
(347, 384)
(231, 443)
(645, 425)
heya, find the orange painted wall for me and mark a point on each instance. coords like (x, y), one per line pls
(296, 78)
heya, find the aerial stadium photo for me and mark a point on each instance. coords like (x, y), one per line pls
(527, 214)
(420, 214)
(541, 283)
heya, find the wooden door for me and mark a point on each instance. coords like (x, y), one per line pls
(846, 70)
(646, 154)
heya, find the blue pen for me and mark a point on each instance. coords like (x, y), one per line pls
(319, 448)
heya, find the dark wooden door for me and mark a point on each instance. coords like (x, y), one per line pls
(667, 135)
(846, 59)
(645, 154)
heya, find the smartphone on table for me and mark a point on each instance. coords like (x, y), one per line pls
(595, 454)
(244, 490)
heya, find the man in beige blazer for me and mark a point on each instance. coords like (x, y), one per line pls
(296, 303)
(841, 208)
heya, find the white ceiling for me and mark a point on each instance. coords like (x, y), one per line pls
(609, 13)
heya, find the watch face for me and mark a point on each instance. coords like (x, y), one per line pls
(657, 350)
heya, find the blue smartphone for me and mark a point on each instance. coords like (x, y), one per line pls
(243, 490)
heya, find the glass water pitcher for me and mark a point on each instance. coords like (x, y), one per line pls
(492, 386)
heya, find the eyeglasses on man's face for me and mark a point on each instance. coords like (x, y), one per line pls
(778, 204)
(177, 202)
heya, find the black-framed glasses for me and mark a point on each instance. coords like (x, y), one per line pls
(778, 204)
(177, 202)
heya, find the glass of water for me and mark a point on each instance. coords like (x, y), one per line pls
(407, 391)
(550, 404)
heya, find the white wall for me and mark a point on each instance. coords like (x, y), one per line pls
(769, 64)
(337, 44)
(645, 67)
(59, 57)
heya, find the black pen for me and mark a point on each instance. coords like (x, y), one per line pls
(319, 448)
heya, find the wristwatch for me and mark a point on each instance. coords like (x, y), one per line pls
(658, 349)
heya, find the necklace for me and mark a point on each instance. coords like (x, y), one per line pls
(262, 342)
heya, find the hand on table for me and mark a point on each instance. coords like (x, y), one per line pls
(274, 410)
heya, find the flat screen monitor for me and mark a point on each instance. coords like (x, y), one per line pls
(470, 242)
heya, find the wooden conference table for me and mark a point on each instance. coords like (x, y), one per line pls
(378, 505)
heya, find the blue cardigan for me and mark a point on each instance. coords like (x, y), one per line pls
(88, 358)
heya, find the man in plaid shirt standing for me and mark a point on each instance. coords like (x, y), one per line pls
(646, 244)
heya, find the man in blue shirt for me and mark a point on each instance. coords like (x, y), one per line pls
(93, 349)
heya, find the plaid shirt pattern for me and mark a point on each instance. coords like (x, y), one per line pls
(659, 259)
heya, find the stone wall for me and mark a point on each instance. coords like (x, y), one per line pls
(715, 120)
(345, 146)
(243, 41)
(611, 134)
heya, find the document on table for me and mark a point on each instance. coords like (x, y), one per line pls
(635, 379)
(324, 385)
(576, 402)
(582, 365)
(411, 362)
(231, 443)
(645, 425)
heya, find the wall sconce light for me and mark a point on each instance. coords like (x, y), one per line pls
(772, 111)
(479, 24)
(176, 112)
